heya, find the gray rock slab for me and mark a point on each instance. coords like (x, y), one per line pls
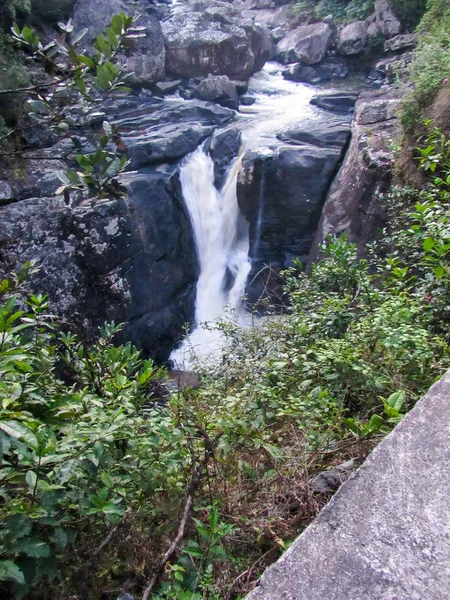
(386, 534)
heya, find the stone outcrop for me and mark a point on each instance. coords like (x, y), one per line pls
(336, 102)
(400, 43)
(307, 44)
(386, 533)
(146, 58)
(155, 133)
(281, 192)
(224, 148)
(383, 21)
(327, 70)
(198, 45)
(351, 206)
(352, 39)
(219, 89)
(128, 260)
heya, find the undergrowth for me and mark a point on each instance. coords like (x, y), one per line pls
(430, 68)
(107, 487)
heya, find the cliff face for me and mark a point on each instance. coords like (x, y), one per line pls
(351, 206)
(133, 260)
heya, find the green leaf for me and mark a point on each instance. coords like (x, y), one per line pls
(19, 431)
(375, 422)
(107, 480)
(117, 24)
(428, 244)
(31, 547)
(10, 572)
(81, 85)
(19, 525)
(439, 272)
(31, 479)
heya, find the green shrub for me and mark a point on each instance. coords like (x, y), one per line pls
(51, 11)
(342, 10)
(13, 10)
(430, 66)
(13, 75)
(409, 11)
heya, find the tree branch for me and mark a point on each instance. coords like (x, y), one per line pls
(190, 493)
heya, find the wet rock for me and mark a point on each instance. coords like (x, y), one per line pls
(307, 44)
(385, 20)
(281, 192)
(224, 148)
(247, 100)
(146, 57)
(352, 205)
(218, 88)
(129, 260)
(352, 39)
(319, 134)
(198, 46)
(339, 102)
(327, 70)
(278, 34)
(401, 42)
(155, 133)
(165, 88)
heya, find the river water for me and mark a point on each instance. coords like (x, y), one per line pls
(221, 233)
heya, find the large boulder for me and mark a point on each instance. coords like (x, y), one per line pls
(199, 45)
(341, 102)
(400, 43)
(224, 148)
(128, 260)
(352, 206)
(352, 39)
(218, 88)
(383, 21)
(154, 133)
(146, 57)
(307, 44)
(329, 69)
(281, 191)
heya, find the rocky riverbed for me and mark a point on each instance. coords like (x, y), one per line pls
(202, 74)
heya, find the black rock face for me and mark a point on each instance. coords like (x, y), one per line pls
(224, 148)
(340, 102)
(129, 260)
(328, 70)
(281, 194)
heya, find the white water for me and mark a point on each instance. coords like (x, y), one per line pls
(221, 237)
(221, 234)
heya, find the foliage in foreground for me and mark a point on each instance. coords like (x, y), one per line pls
(68, 78)
(430, 68)
(106, 487)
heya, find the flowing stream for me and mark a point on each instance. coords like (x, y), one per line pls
(221, 238)
(221, 233)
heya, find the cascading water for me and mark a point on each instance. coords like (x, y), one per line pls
(221, 233)
(222, 242)
(255, 250)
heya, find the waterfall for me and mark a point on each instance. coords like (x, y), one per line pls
(222, 243)
(262, 190)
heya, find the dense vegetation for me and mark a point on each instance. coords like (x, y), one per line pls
(430, 68)
(409, 12)
(99, 476)
(112, 480)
